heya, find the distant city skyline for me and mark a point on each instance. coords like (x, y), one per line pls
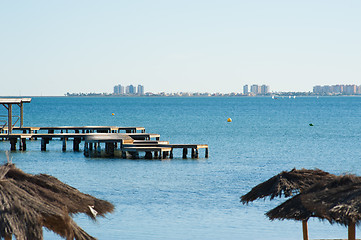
(128, 90)
(252, 90)
(53, 47)
(351, 89)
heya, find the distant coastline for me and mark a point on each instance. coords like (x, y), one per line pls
(273, 94)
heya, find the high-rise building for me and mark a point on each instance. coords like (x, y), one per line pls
(265, 89)
(130, 89)
(140, 90)
(255, 89)
(350, 89)
(245, 89)
(317, 89)
(337, 89)
(118, 89)
(358, 90)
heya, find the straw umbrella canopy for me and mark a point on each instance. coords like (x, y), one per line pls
(286, 183)
(58, 193)
(338, 201)
(29, 202)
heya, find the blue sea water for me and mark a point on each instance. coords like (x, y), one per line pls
(198, 199)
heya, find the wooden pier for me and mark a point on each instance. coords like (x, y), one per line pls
(128, 144)
(128, 141)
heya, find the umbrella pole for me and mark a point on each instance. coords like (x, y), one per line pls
(305, 229)
(351, 231)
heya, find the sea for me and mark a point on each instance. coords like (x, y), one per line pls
(197, 199)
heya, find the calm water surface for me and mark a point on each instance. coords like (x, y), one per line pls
(198, 199)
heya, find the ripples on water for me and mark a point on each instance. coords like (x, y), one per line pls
(199, 199)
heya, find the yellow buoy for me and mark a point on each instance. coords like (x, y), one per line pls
(113, 114)
(229, 120)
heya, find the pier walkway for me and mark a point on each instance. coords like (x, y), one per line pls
(130, 143)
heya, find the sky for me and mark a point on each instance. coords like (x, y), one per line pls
(49, 48)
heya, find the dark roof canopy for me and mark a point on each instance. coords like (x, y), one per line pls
(338, 201)
(287, 183)
(29, 202)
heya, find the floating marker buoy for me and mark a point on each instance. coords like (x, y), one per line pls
(311, 125)
(113, 114)
(229, 120)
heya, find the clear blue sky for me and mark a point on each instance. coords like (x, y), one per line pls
(54, 47)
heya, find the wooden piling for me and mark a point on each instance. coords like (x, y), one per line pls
(148, 155)
(185, 152)
(23, 144)
(98, 149)
(13, 142)
(165, 155)
(111, 149)
(76, 143)
(86, 149)
(43, 144)
(64, 144)
(171, 154)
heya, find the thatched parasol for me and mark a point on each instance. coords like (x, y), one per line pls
(338, 201)
(29, 202)
(287, 183)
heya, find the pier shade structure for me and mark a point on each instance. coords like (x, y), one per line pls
(8, 104)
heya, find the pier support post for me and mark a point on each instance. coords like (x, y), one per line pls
(156, 154)
(44, 141)
(106, 148)
(206, 154)
(13, 142)
(148, 155)
(64, 144)
(165, 154)
(185, 152)
(23, 144)
(135, 155)
(124, 154)
(111, 149)
(76, 143)
(86, 149)
(98, 149)
(196, 153)
(171, 154)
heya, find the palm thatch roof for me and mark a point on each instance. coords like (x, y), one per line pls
(29, 202)
(59, 193)
(287, 183)
(338, 201)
